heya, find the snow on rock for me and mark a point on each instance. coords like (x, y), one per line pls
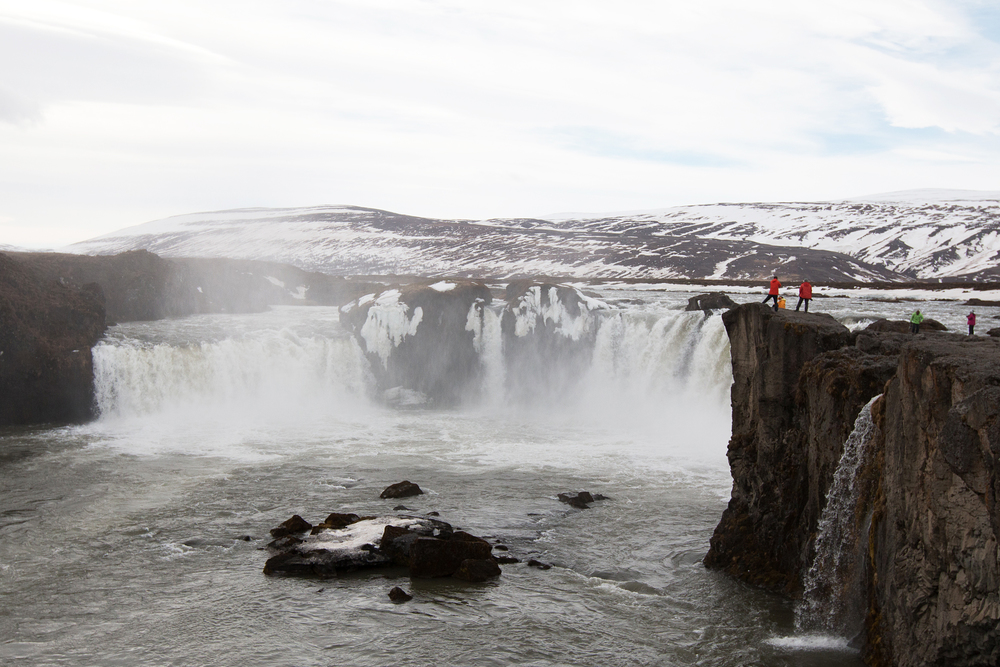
(547, 326)
(422, 341)
(351, 538)
(566, 309)
(388, 322)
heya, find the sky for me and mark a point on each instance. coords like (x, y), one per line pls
(117, 112)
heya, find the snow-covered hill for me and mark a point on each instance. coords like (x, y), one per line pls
(899, 236)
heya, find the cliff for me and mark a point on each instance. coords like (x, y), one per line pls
(139, 285)
(926, 515)
(47, 329)
(935, 598)
(422, 340)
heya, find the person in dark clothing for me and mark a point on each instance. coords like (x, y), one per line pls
(773, 292)
(971, 319)
(805, 294)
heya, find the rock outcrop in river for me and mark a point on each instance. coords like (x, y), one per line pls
(927, 509)
(422, 340)
(548, 335)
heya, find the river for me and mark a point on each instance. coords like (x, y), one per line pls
(137, 539)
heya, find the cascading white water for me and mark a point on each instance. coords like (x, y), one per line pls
(635, 357)
(662, 372)
(831, 582)
(270, 371)
(664, 355)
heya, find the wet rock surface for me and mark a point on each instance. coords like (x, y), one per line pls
(426, 547)
(404, 489)
(421, 340)
(927, 513)
(397, 594)
(710, 301)
(581, 500)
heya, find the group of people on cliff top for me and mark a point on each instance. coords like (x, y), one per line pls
(918, 317)
(805, 296)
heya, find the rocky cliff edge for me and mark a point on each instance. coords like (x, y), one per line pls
(926, 513)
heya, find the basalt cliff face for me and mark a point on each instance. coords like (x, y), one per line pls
(935, 598)
(47, 329)
(926, 517)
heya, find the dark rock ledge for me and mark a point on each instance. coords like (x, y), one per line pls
(927, 518)
(347, 542)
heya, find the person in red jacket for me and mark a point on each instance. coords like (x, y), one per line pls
(805, 294)
(971, 319)
(773, 292)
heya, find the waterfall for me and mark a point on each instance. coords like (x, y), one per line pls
(260, 374)
(640, 364)
(831, 600)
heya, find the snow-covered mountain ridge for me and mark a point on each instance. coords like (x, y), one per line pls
(898, 236)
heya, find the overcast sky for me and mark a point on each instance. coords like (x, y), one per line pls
(116, 112)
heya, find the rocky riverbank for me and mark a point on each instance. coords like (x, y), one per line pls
(926, 514)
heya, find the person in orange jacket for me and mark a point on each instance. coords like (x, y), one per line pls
(805, 294)
(773, 292)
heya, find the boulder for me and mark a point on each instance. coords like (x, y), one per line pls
(334, 550)
(477, 570)
(711, 301)
(398, 595)
(423, 341)
(580, 500)
(435, 557)
(402, 489)
(900, 326)
(291, 526)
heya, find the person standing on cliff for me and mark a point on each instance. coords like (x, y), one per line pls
(915, 321)
(805, 294)
(971, 319)
(773, 292)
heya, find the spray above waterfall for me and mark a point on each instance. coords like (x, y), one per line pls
(574, 352)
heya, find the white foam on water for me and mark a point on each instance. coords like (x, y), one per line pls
(811, 642)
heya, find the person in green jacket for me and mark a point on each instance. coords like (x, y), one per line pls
(915, 321)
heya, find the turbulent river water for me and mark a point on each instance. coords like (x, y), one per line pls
(124, 541)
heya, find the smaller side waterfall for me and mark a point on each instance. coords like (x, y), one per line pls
(831, 596)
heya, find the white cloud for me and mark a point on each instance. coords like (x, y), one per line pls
(117, 111)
